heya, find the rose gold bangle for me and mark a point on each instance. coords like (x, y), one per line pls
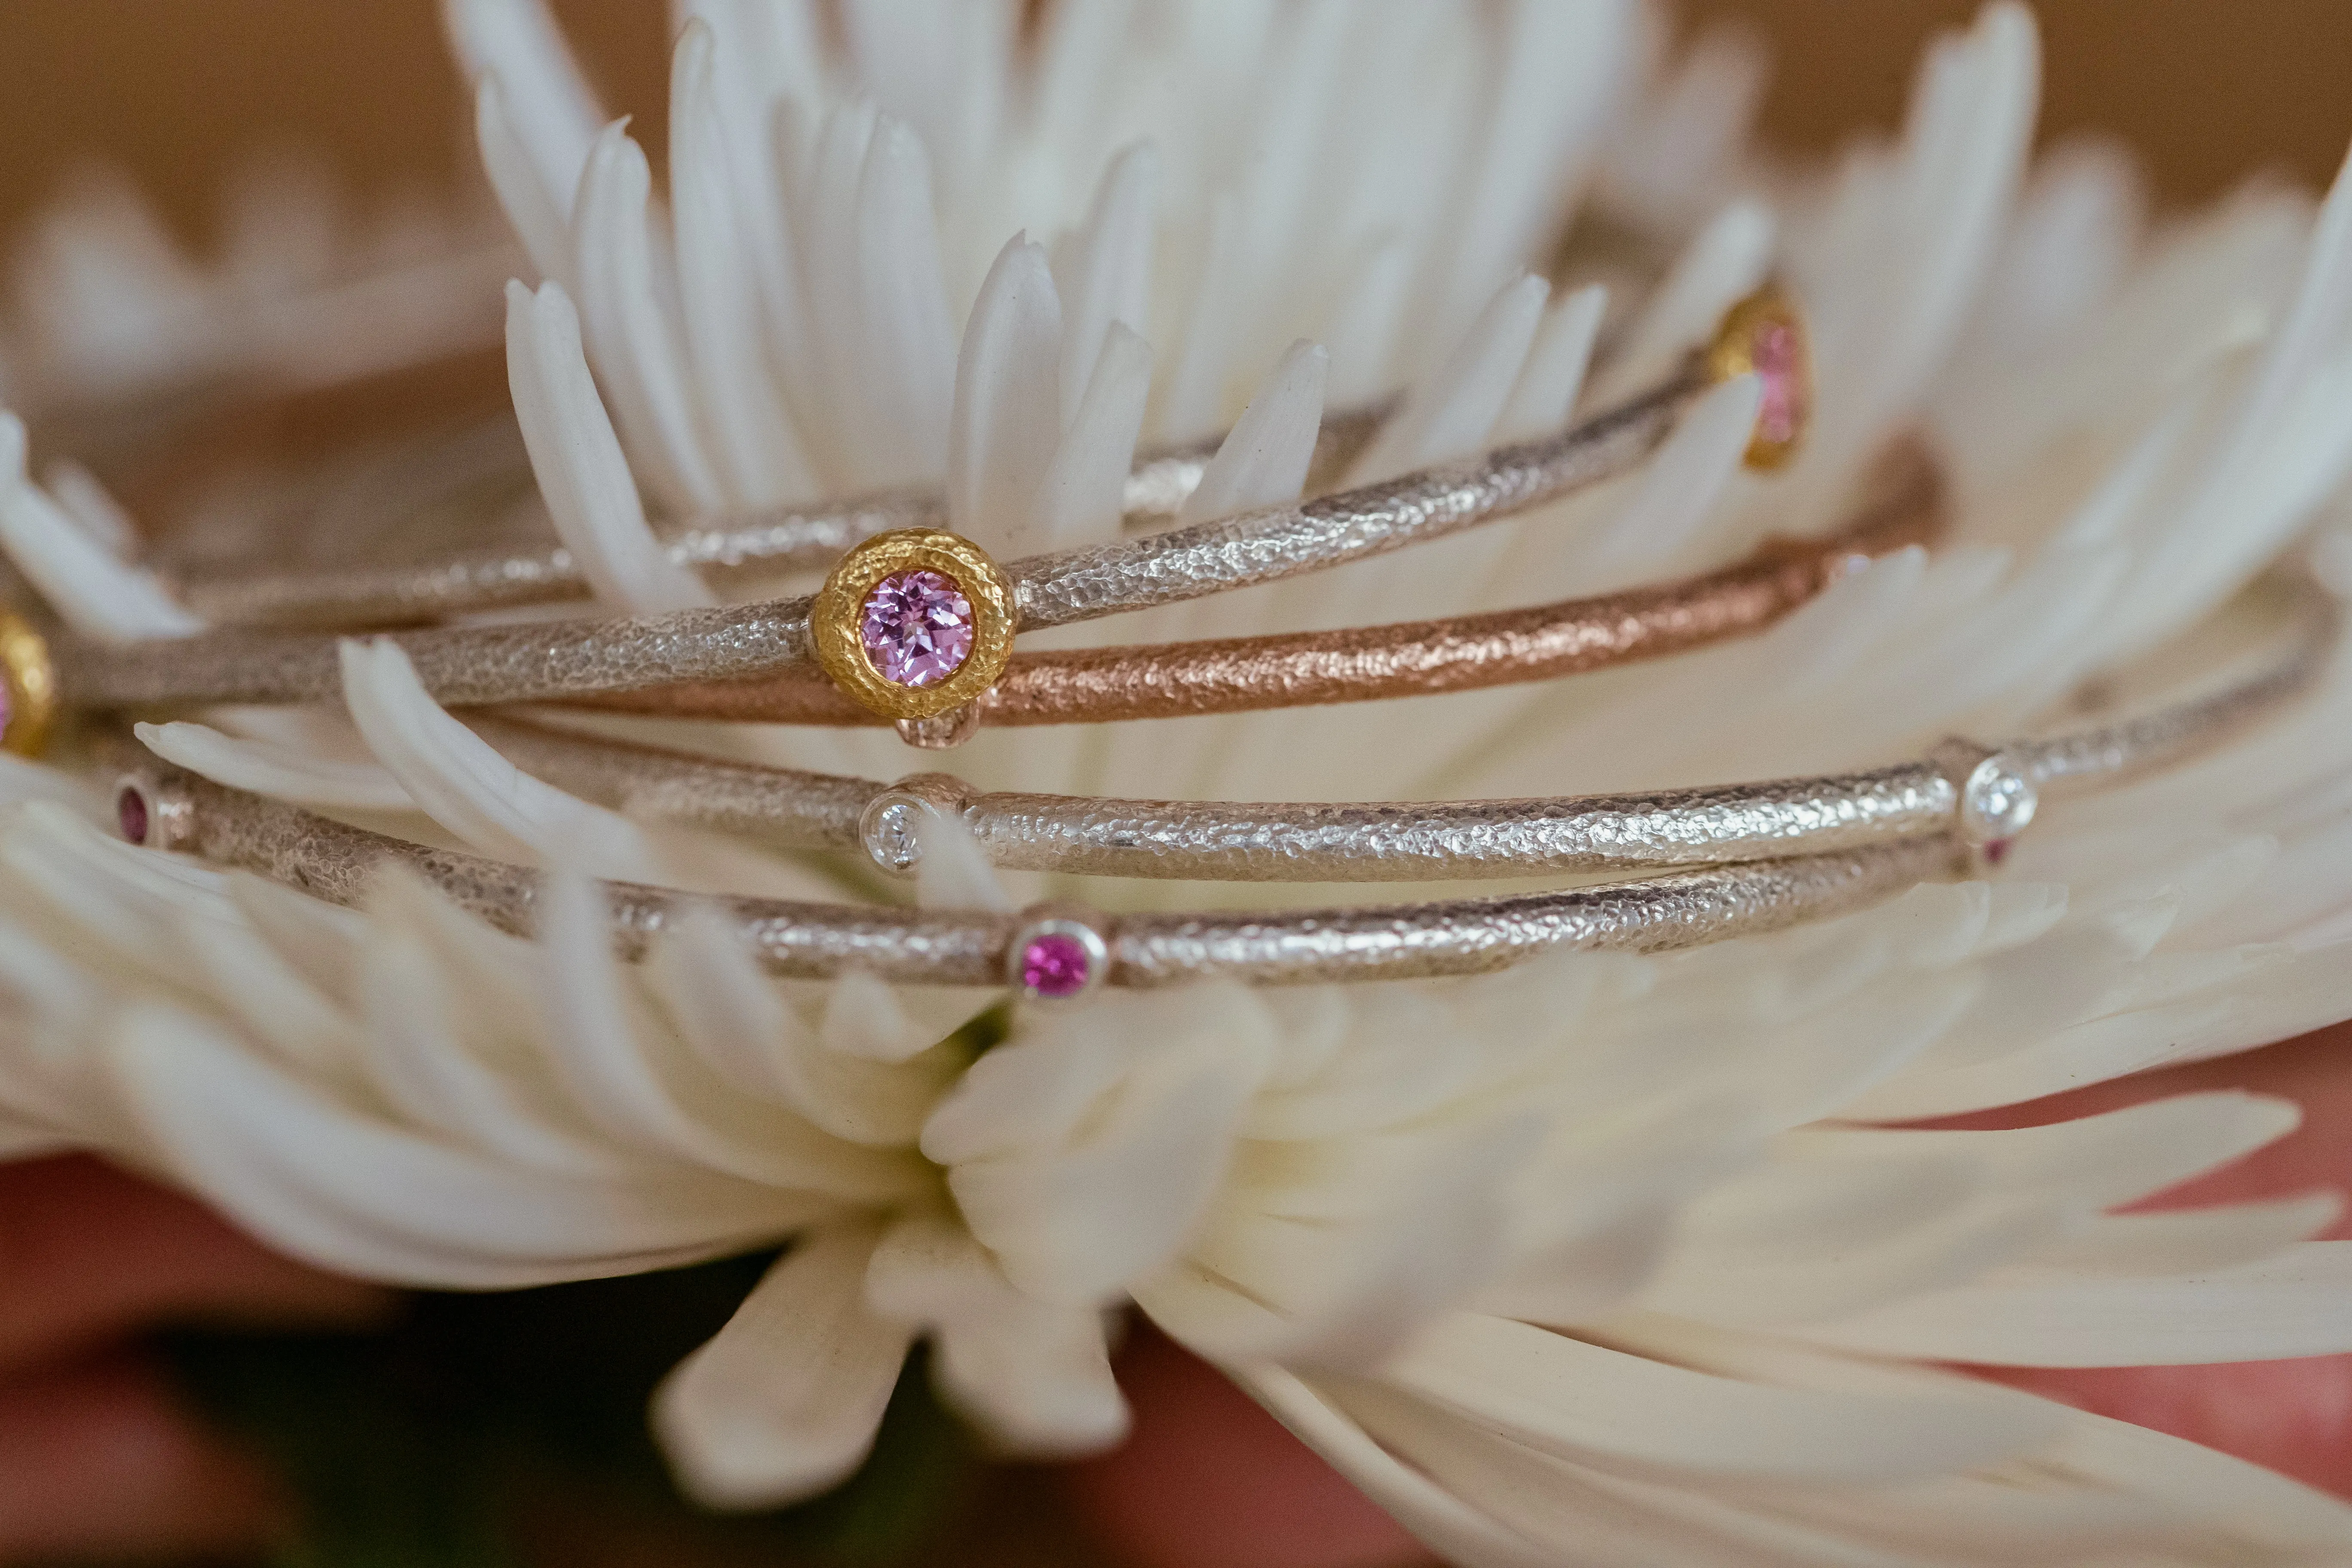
(1907, 504)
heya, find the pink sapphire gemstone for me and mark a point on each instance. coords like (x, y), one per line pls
(1055, 965)
(130, 814)
(1997, 851)
(1778, 355)
(916, 627)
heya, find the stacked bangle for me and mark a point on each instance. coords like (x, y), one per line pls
(987, 603)
(916, 626)
(1774, 854)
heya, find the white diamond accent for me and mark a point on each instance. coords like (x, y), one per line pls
(1998, 801)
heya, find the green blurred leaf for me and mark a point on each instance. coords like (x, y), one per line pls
(412, 1447)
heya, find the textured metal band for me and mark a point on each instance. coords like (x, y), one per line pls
(2112, 752)
(333, 861)
(480, 665)
(1432, 841)
(1907, 505)
(765, 544)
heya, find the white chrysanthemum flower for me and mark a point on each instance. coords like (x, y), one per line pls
(107, 309)
(1602, 1260)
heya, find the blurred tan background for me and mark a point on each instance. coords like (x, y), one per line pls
(2209, 90)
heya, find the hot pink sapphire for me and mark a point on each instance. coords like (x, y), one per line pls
(130, 814)
(916, 627)
(1055, 965)
(1777, 354)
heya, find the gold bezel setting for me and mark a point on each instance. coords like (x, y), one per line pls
(32, 679)
(1732, 352)
(834, 620)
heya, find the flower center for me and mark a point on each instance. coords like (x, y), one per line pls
(916, 627)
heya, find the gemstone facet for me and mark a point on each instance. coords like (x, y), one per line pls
(1780, 357)
(130, 814)
(1056, 953)
(1998, 801)
(1764, 336)
(915, 627)
(1055, 963)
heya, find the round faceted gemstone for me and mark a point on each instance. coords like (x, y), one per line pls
(1055, 963)
(1778, 352)
(916, 627)
(1997, 802)
(130, 814)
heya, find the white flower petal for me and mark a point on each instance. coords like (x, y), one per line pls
(281, 772)
(1007, 418)
(459, 780)
(785, 1400)
(2298, 1303)
(1554, 372)
(617, 261)
(1083, 495)
(578, 462)
(554, 115)
(754, 442)
(79, 577)
(1036, 1378)
(1586, 1402)
(1105, 279)
(1263, 458)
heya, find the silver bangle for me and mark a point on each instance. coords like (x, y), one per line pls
(763, 544)
(1983, 794)
(550, 659)
(1960, 808)
(810, 941)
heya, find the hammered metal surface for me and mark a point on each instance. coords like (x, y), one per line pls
(2313, 625)
(1232, 841)
(545, 660)
(1907, 504)
(337, 862)
(765, 544)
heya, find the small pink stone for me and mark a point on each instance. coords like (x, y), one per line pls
(916, 627)
(130, 814)
(1779, 357)
(1055, 965)
(1997, 851)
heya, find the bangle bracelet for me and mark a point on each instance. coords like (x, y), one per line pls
(1056, 951)
(795, 539)
(1059, 951)
(1907, 505)
(1982, 795)
(987, 603)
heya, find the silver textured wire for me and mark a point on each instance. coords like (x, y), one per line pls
(1230, 841)
(482, 665)
(1428, 840)
(1463, 936)
(2109, 752)
(761, 544)
(337, 862)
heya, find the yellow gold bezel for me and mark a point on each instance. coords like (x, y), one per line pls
(1732, 352)
(833, 617)
(32, 679)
